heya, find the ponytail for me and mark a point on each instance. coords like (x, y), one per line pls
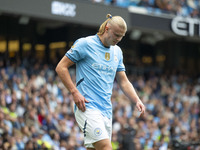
(103, 25)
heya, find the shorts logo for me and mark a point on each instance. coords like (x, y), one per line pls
(107, 56)
(97, 131)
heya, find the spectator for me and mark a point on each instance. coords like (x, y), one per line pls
(185, 8)
(36, 117)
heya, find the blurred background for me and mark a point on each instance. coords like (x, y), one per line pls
(162, 57)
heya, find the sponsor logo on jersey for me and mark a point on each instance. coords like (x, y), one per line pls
(102, 67)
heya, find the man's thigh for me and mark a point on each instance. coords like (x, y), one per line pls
(103, 145)
(94, 125)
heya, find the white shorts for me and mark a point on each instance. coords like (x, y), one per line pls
(94, 126)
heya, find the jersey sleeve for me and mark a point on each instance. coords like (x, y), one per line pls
(120, 66)
(77, 51)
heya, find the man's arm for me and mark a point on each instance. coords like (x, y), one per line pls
(63, 72)
(129, 90)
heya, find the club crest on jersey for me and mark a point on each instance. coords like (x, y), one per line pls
(97, 131)
(107, 56)
(116, 59)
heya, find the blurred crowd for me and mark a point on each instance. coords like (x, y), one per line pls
(185, 8)
(36, 111)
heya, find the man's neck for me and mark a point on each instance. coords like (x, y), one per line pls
(102, 39)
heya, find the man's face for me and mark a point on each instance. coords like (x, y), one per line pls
(114, 34)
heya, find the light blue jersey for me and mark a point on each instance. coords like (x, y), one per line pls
(96, 67)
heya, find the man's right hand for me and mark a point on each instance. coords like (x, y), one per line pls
(79, 100)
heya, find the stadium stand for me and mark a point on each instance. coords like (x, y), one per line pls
(36, 111)
(186, 8)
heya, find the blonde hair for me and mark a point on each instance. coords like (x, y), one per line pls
(113, 20)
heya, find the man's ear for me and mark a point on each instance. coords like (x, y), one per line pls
(106, 28)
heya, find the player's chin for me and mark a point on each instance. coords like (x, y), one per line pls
(114, 43)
